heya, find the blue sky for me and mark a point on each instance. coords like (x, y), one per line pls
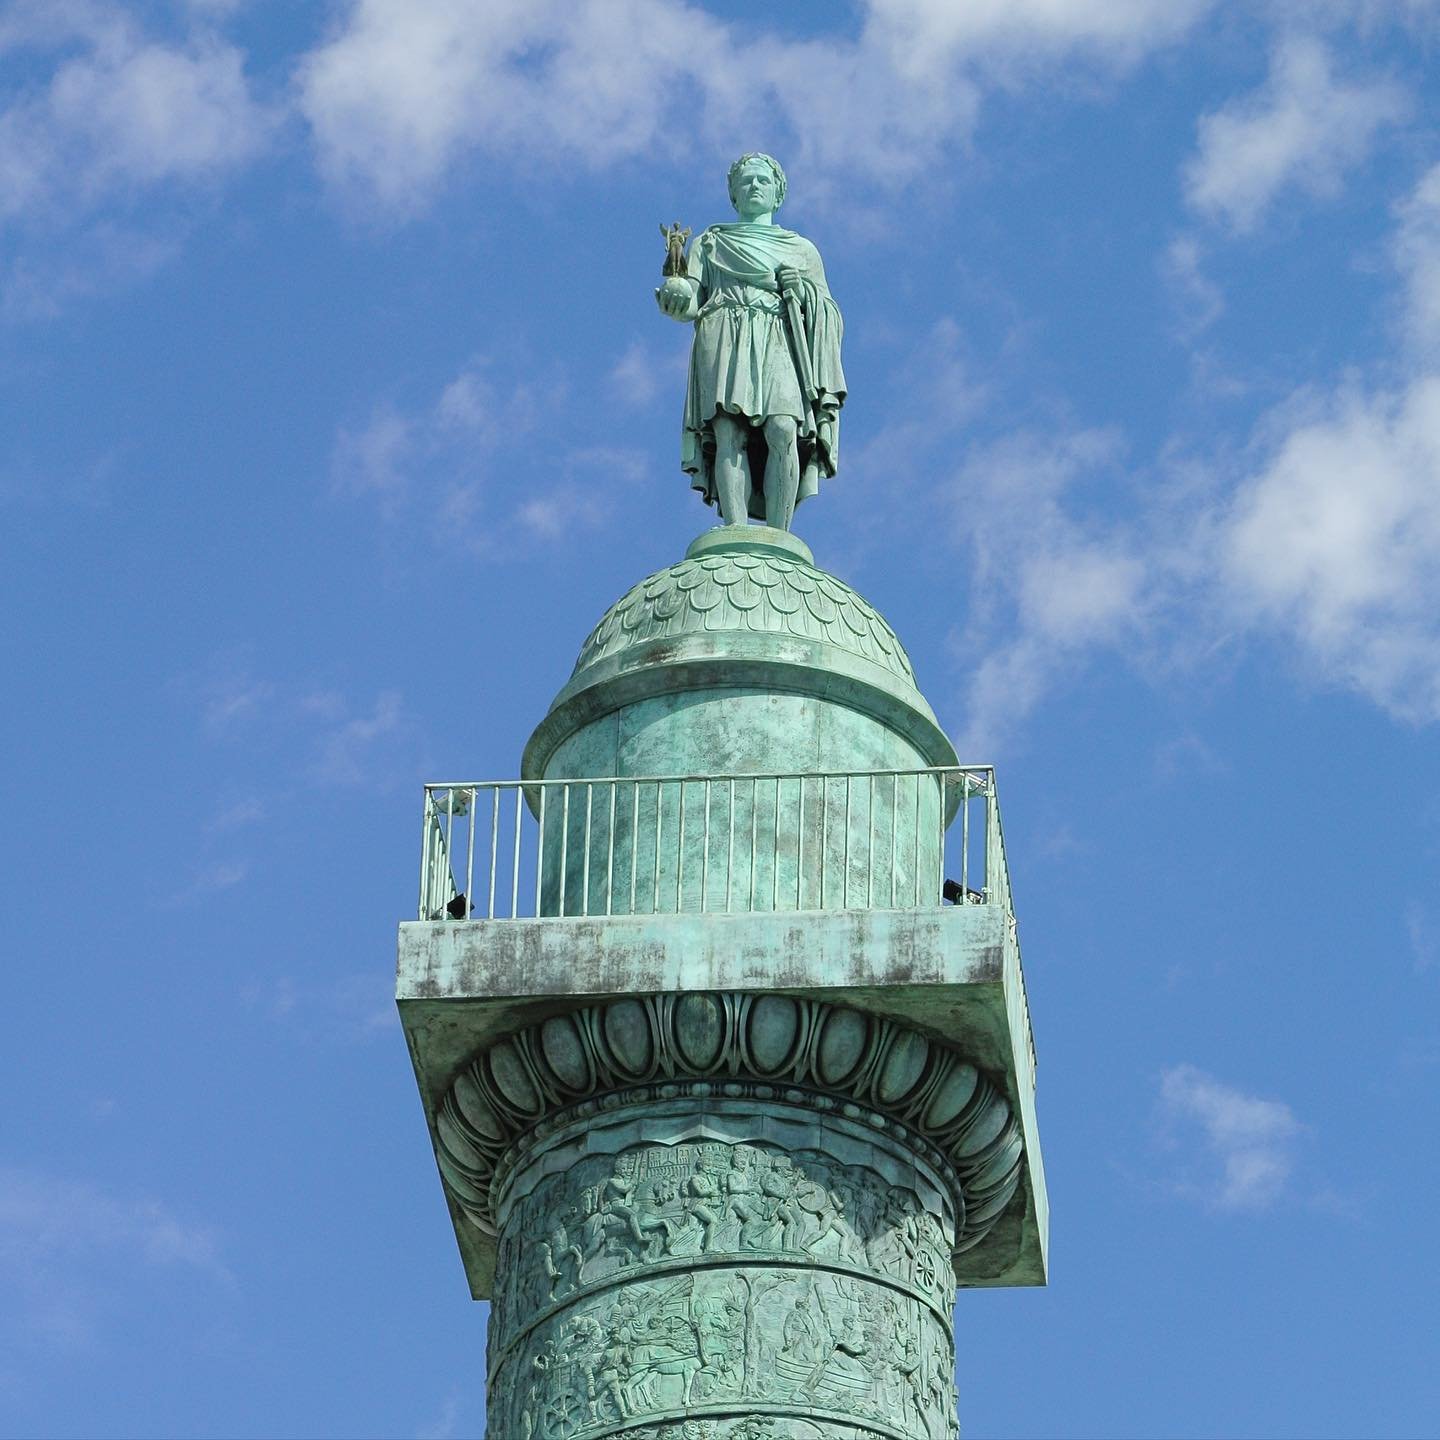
(336, 408)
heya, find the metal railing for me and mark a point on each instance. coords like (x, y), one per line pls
(866, 839)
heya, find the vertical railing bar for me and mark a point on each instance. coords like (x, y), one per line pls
(564, 844)
(939, 877)
(705, 855)
(915, 849)
(989, 844)
(845, 898)
(515, 863)
(894, 831)
(680, 855)
(540, 853)
(589, 837)
(470, 858)
(775, 854)
(610, 853)
(450, 838)
(655, 888)
(965, 839)
(634, 838)
(800, 850)
(424, 901)
(730, 845)
(754, 819)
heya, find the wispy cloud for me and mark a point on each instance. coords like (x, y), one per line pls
(347, 1009)
(67, 1248)
(1246, 1143)
(1047, 583)
(347, 747)
(399, 94)
(438, 459)
(207, 880)
(445, 1425)
(1198, 298)
(633, 378)
(1417, 257)
(105, 146)
(1303, 129)
(1334, 542)
(1187, 757)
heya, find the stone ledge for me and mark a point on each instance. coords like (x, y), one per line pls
(952, 974)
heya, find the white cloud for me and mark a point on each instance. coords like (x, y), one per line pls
(1047, 583)
(1303, 128)
(1417, 256)
(349, 1009)
(443, 458)
(124, 115)
(1250, 1141)
(67, 1247)
(1335, 543)
(445, 1424)
(346, 750)
(437, 456)
(208, 880)
(1200, 301)
(1118, 30)
(1424, 935)
(1185, 758)
(633, 377)
(399, 93)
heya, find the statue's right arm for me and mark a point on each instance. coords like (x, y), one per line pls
(679, 297)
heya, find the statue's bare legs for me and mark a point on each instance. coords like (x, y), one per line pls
(732, 469)
(782, 471)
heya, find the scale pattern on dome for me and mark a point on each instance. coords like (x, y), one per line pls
(746, 591)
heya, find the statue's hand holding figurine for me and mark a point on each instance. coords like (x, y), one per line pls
(762, 408)
(676, 295)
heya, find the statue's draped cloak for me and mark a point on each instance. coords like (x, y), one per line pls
(742, 362)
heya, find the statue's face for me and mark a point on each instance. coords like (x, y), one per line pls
(756, 190)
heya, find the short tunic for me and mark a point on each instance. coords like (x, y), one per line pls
(742, 361)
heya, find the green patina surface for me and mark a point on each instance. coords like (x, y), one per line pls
(726, 1170)
(762, 403)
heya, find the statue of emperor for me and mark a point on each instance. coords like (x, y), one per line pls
(765, 386)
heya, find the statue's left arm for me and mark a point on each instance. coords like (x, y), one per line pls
(824, 326)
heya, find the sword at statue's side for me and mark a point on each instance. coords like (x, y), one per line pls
(799, 349)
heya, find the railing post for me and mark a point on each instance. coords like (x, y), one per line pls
(915, 849)
(540, 855)
(424, 901)
(564, 843)
(515, 865)
(964, 838)
(441, 873)
(634, 838)
(610, 853)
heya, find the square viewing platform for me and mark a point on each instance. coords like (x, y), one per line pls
(885, 891)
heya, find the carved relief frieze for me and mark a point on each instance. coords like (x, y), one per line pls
(676, 1206)
(733, 1353)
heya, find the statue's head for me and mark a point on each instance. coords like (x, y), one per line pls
(757, 163)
